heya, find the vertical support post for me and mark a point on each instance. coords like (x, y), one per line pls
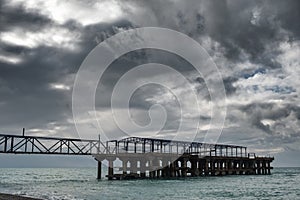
(32, 145)
(124, 165)
(60, 146)
(107, 147)
(200, 152)
(116, 147)
(258, 167)
(172, 168)
(144, 147)
(241, 151)
(26, 144)
(151, 168)
(194, 170)
(206, 169)
(98, 148)
(269, 167)
(143, 168)
(264, 167)
(12, 144)
(200, 167)
(5, 144)
(23, 133)
(68, 146)
(152, 146)
(99, 170)
(184, 167)
(176, 166)
(133, 167)
(164, 167)
(110, 169)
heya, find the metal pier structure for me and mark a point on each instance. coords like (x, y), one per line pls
(156, 158)
(135, 157)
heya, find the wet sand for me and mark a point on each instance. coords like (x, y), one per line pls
(15, 197)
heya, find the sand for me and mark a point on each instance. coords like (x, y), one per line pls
(15, 197)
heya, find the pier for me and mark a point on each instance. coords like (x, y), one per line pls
(159, 158)
(137, 158)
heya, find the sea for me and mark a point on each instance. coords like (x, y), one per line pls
(81, 183)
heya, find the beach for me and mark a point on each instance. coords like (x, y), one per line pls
(15, 197)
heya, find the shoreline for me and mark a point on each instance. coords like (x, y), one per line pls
(4, 196)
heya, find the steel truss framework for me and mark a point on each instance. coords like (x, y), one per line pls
(18, 144)
(146, 145)
(47, 145)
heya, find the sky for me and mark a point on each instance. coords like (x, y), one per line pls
(254, 44)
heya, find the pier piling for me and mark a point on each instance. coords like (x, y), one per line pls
(99, 170)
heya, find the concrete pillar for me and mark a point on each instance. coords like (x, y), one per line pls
(200, 167)
(195, 168)
(252, 166)
(234, 167)
(227, 166)
(184, 167)
(217, 167)
(269, 167)
(263, 167)
(258, 167)
(155, 167)
(172, 169)
(164, 167)
(133, 166)
(99, 170)
(124, 166)
(212, 168)
(206, 170)
(143, 168)
(240, 167)
(110, 169)
(151, 169)
(178, 174)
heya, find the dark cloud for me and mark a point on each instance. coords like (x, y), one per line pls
(228, 83)
(288, 15)
(12, 17)
(238, 33)
(278, 131)
(230, 24)
(26, 94)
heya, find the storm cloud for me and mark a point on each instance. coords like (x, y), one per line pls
(254, 44)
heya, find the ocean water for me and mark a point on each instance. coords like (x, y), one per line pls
(81, 183)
